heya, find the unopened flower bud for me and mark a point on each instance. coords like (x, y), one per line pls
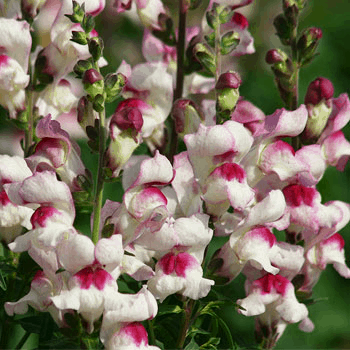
(275, 56)
(212, 18)
(308, 43)
(284, 29)
(125, 127)
(85, 113)
(320, 89)
(93, 82)
(81, 66)
(78, 13)
(230, 80)
(81, 108)
(98, 103)
(128, 118)
(186, 116)
(229, 42)
(228, 94)
(290, 3)
(114, 84)
(205, 57)
(96, 48)
(88, 23)
(79, 38)
(319, 103)
(291, 11)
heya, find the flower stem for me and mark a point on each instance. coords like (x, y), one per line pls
(293, 103)
(217, 53)
(99, 181)
(188, 307)
(180, 51)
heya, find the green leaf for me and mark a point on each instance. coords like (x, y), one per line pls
(169, 309)
(160, 344)
(3, 285)
(212, 343)
(31, 324)
(194, 330)
(227, 332)
(192, 345)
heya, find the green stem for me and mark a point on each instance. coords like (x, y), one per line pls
(217, 53)
(152, 337)
(294, 96)
(99, 180)
(188, 307)
(180, 51)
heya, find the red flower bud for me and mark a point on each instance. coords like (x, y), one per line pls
(180, 111)
(274, 56)
(128, 115)
(81, 109)
(230, 80)
(320, 89)
(91, 76)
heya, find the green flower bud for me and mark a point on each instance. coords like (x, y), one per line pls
(81, 67)
(205, 57)
(229, 42)
(228, 94)
(78, 13)
(96, 48)
(186, 116)
(88, 23)
(98, 103)
(307, 44)
(93, 82)
(114, 84)
(284, 29)
(79, 38)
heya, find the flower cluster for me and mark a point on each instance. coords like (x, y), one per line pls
(241, 174)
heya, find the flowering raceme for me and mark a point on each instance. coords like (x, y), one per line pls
(130, 236)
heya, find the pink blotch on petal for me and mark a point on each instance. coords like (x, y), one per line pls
(3, 60)
(137, 332)
(167, 263)
(230, 171)
(283, 146)
(4, 199)
(132, 102)
(85, 277)
(154, 192)
(269, 283)
(297, 195)
(225, 157)
(38, 275)
(183, 262)
(93, 276)
(41, 215)
(265, 234)
(93, 33)
(101, 277)
(335, 239)
(178, 263)
(240, 20)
